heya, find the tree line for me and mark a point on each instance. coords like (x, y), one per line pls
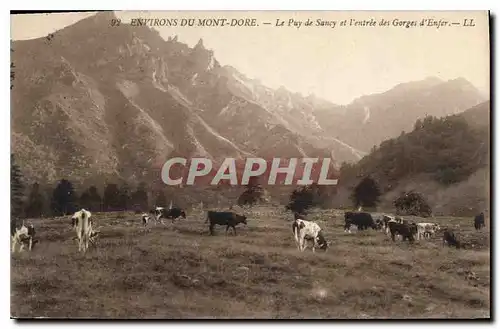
(33, 201)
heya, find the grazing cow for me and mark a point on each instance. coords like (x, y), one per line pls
(362, 220)
(426, 230)
(305, 230)
(405, 230)
(173, 213)
(450, 238)
(228, 218)
(479, 221)
(21, 235)
(82, 224)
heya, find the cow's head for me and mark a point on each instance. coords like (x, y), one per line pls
(242, 219)
(323, 244)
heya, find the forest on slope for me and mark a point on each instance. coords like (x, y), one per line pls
(446, 159)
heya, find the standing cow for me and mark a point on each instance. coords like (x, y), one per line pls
(228, 218)
(362, 220)
(479, 221)
(407, 231)
(82, 224)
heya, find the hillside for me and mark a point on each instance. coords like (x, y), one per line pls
(446, 159)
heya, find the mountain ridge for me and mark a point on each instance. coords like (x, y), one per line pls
(120, 101)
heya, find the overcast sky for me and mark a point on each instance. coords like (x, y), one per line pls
(338, 64)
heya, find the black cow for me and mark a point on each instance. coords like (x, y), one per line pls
(362, 220)
(479, 221)
(450, 238)
(228, 218)
(407, 231)
(173, 213)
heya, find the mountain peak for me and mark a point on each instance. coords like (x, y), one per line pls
(199, 45)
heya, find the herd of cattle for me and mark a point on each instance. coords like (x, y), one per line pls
(303, 230)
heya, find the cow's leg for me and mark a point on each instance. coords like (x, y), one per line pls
(13, 249)
(227, 228)
(30, 244)
(234, 229)
(211, 229)
(87, 239)
(393, 237)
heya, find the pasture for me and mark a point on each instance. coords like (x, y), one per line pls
(180, 271)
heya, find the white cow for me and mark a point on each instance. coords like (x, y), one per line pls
(303, 229)
(426, 230)
(82, 223)
(21, 235)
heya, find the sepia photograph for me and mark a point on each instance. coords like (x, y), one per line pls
(250, 165)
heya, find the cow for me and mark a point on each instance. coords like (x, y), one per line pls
(228, 218)
(362, 220)
(82, 224)
(426, 230)
(305, 230)
(21, 235)
(405, 230)
(450, 239)
(479, 221)
(172, 213)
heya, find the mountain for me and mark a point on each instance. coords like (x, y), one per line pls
(94, 103)
(369, 120)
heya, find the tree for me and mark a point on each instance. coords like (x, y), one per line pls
(85, 200)
(161, 199)
(301, 199)
(95, 199)
(140, 197)
(124, 197)
(16, 189)
(111, 200)
(366, 193)
(412, 203)
(253, 194)
(35, 203)
(63, 198)
(91, 200)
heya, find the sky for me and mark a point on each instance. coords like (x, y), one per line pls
(337, 63)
